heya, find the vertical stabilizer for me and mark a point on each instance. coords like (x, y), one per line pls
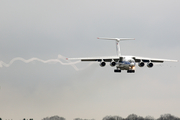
(118, 51)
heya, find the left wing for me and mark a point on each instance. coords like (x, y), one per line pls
(154, 60)
(99, 59)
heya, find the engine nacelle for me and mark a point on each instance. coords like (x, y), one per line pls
(113, 63)
(150, 65)
(141, 64)
(102, 64)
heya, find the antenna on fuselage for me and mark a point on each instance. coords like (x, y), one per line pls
(118, 51)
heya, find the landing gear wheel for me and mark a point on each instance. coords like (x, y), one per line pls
(117, 70)
(130, 71)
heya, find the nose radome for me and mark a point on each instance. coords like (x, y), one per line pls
(132, 64)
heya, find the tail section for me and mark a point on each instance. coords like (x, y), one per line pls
(118, 51)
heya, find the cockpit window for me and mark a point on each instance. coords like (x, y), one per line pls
(131, 60)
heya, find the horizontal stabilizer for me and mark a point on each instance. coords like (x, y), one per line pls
(117, 39)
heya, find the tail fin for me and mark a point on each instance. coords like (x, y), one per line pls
(118, 51)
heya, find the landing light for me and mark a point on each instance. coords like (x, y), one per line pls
(133, 67)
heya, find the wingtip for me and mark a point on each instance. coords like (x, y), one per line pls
(97, 37)
(175, 60)
(66, 58)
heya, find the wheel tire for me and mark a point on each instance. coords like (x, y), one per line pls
(130, 71)
(117, 71)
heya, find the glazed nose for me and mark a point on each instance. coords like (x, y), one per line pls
(132, 64)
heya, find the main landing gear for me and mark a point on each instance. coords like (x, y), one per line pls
(130, 71)
(117, 70)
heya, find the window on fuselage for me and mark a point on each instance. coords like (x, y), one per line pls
(131, 60)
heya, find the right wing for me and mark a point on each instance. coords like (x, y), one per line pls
(99, 59)
(155, 60)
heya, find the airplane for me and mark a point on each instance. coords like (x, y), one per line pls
(122, 62)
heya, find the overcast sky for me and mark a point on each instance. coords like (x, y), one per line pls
(45, 29)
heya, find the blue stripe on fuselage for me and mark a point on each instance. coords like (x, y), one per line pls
(126, 62)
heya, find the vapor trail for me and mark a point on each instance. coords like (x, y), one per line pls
(58, 60)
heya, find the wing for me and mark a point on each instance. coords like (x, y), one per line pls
(155, 60)
(116, 58)
(99, 59)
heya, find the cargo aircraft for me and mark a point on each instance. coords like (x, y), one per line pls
(122, 62)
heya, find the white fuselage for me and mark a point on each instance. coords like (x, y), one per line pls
(126, 64)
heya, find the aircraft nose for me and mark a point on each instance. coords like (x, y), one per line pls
(132, 64)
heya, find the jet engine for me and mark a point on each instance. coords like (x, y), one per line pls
(102, 64)
(113, 63)
(150, 65)
(141, 64)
